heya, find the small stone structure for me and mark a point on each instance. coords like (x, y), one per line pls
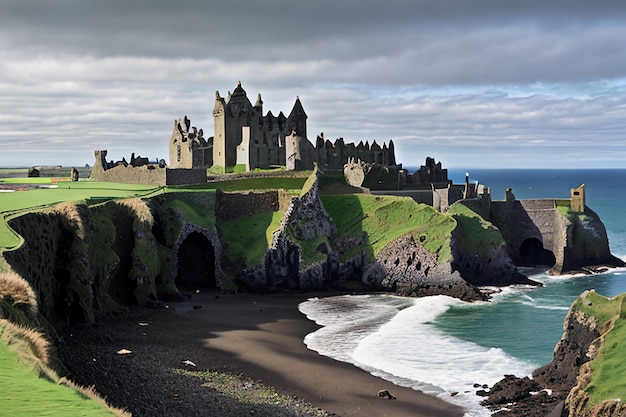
(538, 233)
(142, 171)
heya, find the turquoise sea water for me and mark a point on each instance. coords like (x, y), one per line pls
(537, 314)
(441, 345)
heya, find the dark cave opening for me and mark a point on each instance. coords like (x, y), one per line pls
(196, 263)
(534, 254)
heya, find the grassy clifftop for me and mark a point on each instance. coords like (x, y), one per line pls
(381, 219)
(608, 367)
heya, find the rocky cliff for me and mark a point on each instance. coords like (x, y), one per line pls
(83, 261)
(585, 244)
(565, 387)
(549, 232)
(439, 254)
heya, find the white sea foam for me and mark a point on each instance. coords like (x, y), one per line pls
(347, 320)
(392, 338)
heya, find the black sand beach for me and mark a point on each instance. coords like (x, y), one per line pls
(260, 337)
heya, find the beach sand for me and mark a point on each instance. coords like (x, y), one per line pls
(259, 336)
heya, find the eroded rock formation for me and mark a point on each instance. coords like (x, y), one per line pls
(559, 387)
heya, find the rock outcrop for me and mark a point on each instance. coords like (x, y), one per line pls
(558, 389)
(83, 261)
(462, 261)
(585, 245)
(408, 269)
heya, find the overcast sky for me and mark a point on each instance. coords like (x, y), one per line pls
(472, 83)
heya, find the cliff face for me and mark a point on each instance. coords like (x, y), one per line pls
(83, 261)
(442, 255)
(568, 377)
(408, 269)
(585, 244)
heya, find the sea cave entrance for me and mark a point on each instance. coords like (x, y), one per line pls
(533, 253)
(196, 263)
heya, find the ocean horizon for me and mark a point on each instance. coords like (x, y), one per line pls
(441, 345)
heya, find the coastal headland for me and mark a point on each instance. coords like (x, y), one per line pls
(88, 262)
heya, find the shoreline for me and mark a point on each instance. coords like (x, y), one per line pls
(258, 336)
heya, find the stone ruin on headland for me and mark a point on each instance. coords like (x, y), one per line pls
(244, 139)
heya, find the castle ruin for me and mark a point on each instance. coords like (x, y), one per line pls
(244, 139)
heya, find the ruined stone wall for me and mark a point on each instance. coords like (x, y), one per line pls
(146, 174)
(551, 225)
(515, 225)
(233, 205)
(185, 176)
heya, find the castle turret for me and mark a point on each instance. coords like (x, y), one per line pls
(258, 106)
(230, 117)
(578, 199)
(219, 133)
(297, 119)
(391, 159)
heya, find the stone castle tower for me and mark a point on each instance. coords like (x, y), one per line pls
(244, 136)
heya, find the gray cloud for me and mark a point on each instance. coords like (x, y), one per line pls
(503, 83)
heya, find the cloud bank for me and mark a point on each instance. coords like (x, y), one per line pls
(482, 83)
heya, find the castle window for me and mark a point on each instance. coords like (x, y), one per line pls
(178, 153)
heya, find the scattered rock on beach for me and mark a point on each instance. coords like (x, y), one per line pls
(383, 393)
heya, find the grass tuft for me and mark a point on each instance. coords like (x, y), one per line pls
(140, 208)
(16, 291)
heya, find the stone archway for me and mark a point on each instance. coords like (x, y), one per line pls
(533, 253)
(196, 263)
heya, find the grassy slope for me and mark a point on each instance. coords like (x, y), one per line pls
(247, 238)
(381, 219)
(19, 383)
(609, 368)
(475, 232)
